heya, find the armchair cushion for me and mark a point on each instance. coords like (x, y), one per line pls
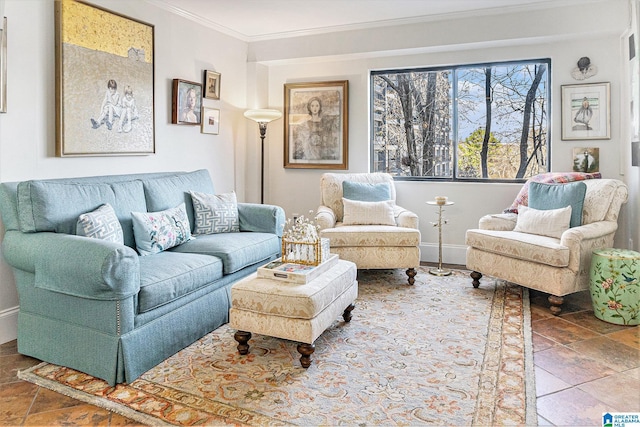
(550, 222)
(368, 213)
(544, 196)
(365, 191)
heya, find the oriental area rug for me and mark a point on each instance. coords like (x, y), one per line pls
(436, 353)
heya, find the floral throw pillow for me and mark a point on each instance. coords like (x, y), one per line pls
(159, 231)
(101, 223)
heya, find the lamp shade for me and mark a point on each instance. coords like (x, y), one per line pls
(263, 116)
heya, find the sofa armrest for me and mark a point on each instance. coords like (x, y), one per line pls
(405, 218)
(261, 218)
(74, 265)
(325, 217)
(498, 222)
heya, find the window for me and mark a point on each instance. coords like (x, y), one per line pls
(470, 122)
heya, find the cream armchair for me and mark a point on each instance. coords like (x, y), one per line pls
(383, 243)
(557, 266)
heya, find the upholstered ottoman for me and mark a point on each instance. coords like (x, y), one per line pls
(296, 312)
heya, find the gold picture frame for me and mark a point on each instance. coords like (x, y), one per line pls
(316, 125)
(211, 84)
(104, 84)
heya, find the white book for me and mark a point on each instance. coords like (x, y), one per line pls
(296, 273)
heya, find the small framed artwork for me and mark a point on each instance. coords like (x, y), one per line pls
(586, 111)
(3, 64)
(586, 159)
(316, 129)
(186, 102)
(211, 84)
(104, 91)
(210, 120)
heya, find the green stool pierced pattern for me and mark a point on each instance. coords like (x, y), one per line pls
(615, 286)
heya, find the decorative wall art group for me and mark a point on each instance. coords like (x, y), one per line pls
(187, 103)
(104, 84)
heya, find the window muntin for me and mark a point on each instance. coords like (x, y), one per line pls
(431, 123)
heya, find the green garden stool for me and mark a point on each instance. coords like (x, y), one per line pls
(615, 286)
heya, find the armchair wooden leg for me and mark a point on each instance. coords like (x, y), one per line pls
(476, 276)
(556, 303)
(412, 273)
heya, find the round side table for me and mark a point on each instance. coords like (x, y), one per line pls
(615, 286)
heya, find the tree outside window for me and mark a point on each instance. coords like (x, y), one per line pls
(472, 122)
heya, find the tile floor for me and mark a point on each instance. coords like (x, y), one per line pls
(583, 367)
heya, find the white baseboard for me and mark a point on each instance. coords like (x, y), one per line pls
(9, 324)
(451, 254)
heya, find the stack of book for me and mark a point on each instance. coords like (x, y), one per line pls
(296, 273)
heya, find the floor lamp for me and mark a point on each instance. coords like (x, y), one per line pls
(262, 117)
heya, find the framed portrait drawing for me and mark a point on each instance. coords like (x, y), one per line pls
(316, 127)
(104, 84)
(210, 120)
(211, 84)
(186, 101)
(586, 111)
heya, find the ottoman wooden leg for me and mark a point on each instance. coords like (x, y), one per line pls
(347, 313)
(306, 350)
(243, 338)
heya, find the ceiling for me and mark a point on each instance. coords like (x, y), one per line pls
(252, 20)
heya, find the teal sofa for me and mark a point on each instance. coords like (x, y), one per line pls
(98, 306)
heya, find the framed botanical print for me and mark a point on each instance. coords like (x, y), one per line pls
(104, 84)
(186, 102)
(316, 125)
(586, 111)
(211, 85)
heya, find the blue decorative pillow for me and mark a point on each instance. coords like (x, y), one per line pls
(215, 213)
(159, 231)
(554, 196)
(366, 192)
(101, 223)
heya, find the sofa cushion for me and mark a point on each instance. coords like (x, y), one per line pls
(550, 222)
(167, 276)
(158, 231)
(528, 247)
(368, 213)
(56, 205)
(167, 192)
(371, 235)
(555, 196)
(366, 191)
(236, 250)
(215, 213)
(101, 223)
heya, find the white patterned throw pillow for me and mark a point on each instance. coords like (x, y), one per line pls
(159, 231)
(368, 213)
(215, 213)
(101, 223)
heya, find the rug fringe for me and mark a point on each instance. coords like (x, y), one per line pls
(29, 376)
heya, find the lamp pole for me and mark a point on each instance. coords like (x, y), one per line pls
(262, 117)
(263, 133)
